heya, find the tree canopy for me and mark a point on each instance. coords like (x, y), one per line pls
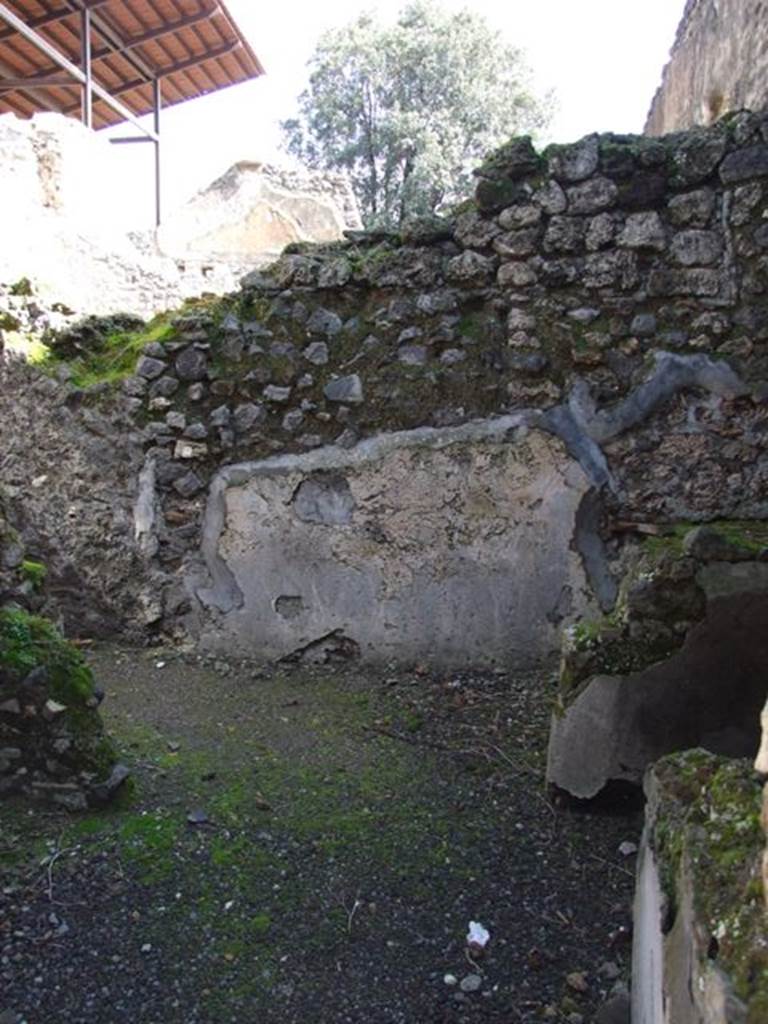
(409, 109)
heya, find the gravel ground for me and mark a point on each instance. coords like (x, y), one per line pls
(309, 845)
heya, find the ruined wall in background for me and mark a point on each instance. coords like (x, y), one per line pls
(57, 211)
(255, 210)
(718, 63)
(58, 231)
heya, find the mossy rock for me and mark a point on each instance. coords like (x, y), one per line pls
(28, 642)
(707, 826)
(492, 196)
(91, 335)
(515, 159)
(748, 534)
(103, 350)
(34, 573)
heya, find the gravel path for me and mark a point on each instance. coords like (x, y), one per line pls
(309, 845)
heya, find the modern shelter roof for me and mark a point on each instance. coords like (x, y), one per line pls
(193, 46)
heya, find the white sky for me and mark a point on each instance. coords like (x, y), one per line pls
(603, 58)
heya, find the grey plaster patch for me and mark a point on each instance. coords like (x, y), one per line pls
(325, 499)
(673, 373)
(590, 546)
(561, 422)
(447, 544)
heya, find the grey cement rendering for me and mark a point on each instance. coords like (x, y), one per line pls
(450, 545)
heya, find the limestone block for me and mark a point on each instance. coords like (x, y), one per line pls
(643, 231)
(576, 161)
(256, 210)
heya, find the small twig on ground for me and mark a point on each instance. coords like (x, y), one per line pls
(473, 963)
(520, 767)
(58, 852)
(609, 864)
(391, 734)
(351, 911)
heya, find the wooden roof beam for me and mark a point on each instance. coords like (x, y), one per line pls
(112, 37)
(183, 65)
(153, 34)
(170, 69)
(105, 52)
(36, 82)
(36, 101)
(52, 17)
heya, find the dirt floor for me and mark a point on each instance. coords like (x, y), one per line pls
(309, 845)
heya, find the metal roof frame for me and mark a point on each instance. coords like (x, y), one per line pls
(130, 63)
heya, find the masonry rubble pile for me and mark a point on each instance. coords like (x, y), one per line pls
(53, 748)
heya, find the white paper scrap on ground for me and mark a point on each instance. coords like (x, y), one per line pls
(477, 935)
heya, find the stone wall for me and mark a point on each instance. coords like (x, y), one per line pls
(719, 63)
(610, 294)
(69, 469)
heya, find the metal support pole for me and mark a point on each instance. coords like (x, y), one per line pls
(85, 41)
(158, 104)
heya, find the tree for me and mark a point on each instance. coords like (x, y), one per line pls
(409, 109)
